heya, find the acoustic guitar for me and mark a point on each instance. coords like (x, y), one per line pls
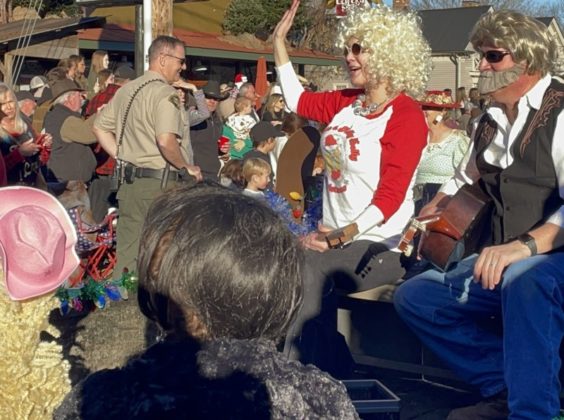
(455, 232)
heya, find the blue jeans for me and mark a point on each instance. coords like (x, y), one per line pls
(448, 311)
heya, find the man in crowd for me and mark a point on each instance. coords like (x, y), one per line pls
(26, 103)
(518, 160)
(205, 135)
(142, 127)
(247, 90)
(71, 158)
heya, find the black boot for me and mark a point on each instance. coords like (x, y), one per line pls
(492, 408)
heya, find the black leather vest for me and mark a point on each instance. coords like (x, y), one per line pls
(525, 193)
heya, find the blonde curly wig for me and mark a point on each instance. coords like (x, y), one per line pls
(398, 52)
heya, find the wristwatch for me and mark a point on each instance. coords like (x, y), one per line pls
(529, 242)
(183, 174)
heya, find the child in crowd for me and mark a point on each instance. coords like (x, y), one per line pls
(257, 177)
(263, 135)
(238, 126)
(231, 175)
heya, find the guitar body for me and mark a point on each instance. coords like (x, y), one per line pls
(460, 229)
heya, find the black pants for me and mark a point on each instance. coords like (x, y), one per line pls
(313, 336)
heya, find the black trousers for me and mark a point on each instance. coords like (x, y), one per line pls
(313, 337)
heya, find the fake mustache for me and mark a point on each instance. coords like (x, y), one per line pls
(490, 81)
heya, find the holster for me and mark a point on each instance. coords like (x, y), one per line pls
(129, 173)
(118, 176)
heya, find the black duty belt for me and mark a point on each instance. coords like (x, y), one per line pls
(155, 173)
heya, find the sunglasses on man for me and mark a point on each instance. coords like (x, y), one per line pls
(182, 61)
(493, 56)
(355, 48)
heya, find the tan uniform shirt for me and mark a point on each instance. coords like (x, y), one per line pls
(155, 111)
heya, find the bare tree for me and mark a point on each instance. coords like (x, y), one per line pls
(530, 7)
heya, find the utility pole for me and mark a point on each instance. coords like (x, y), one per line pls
(162, 18)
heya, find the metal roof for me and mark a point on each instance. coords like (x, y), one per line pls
(448, 30)
(43, 29)
(122, 37)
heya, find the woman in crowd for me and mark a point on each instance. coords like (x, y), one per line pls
(221, 275)
(445, 149)
(274, 111)
(371, 145)
(79, 76)
(99, 61)
(69, 66)
(19, 144)
(462, 113)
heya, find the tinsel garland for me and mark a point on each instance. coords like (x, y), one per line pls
(98, 293)
(35, 377)
(311, 216)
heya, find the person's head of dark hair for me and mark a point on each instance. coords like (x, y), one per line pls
(66, 63)
(233, 170)
(292, 123)
(163, 44)
(215, 263)
(75, 58)
(56, 74)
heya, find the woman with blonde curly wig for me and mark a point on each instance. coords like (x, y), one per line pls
(372, 144)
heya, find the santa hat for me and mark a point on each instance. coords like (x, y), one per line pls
(240, 78)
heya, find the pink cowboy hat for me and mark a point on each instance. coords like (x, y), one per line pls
(37, 241)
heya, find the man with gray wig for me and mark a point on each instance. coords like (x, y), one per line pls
(517, 159)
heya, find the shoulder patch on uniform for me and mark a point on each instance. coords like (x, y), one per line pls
(175, 100)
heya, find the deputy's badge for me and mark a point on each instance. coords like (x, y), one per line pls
(175, 100)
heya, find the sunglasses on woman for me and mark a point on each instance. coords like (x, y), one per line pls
(356, 49)
(494, 56)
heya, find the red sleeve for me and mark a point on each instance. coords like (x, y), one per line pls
(322, 106)
(402, 144)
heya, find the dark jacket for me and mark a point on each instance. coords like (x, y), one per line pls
(204, 137)
(69, 161)
(227, 379)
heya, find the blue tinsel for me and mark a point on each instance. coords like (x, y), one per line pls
(310, 218)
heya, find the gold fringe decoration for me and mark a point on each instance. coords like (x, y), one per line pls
(34, 378)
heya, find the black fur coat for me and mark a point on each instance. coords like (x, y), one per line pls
(226, 379)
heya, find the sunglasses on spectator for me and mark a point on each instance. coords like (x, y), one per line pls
(356, 49)
(494, 56)
(182, 60)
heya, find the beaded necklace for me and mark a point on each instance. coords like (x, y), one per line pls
(363, 111)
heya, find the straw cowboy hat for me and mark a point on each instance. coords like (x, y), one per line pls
(438, 99)
(37, 242)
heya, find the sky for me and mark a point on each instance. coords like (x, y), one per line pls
(389, 2)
